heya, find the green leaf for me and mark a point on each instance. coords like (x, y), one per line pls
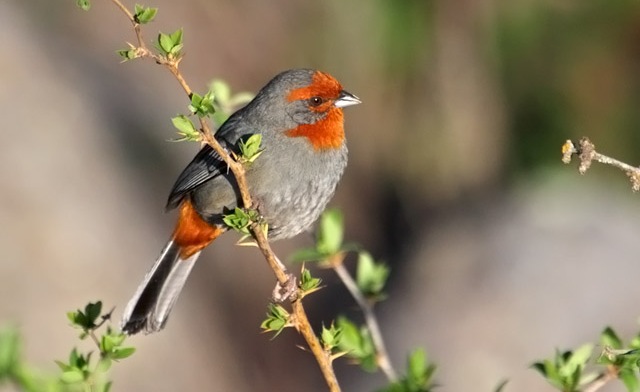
(610, 338)
(417, 366)
(202, 105)
(127, 54)
(250, 148)
(196, 99)
(63, 366)
(307, 282)
(105, 363)
(176, 40)
(144, 15)
(629, 379)
(78, 361)
(117, 337)
(221, 90)
(219, 117)
(357, 343)
(73, 357)
(72, 317)
(351, 338)
(92, 312)
(577, 360)
(240, 99)
(107, 344)
(419, 375)
(224, 102)
(549, 370)
(10, 349)
(370, 276)
(77, 318)
(84, 4)
(123, 352)
(185, 128)
(331, 336)
(176, 37)
(170, 44)
(565, 371)
(165, 43)
(72, 376)
(369, 363)
(241, 220)
(107, 386)
(207, 103)
(87, 319)
(539, 366)
(330, 232)
(277, 319)
(308, 254)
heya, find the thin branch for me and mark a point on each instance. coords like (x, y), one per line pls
(129, 16)
(586, 152)
(172, 65)
(369, 317)
(302, 323)
(93, 337)
(323, 357)
(603, 379)
(264, 246)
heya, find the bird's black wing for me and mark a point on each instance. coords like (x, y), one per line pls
(207, 164)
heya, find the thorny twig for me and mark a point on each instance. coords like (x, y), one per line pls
(610, 374)
(301, 321)
(586, 152)
(382, 356)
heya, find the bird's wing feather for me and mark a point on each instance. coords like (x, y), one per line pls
(207, 164)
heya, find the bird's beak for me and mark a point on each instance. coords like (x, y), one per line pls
(346, 99)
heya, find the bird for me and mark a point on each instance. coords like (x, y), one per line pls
(299, 115)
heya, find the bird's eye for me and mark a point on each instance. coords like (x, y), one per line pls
(315, 101)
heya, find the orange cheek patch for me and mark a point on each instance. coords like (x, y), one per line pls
(322, 85)
(192, 233)
(324, 134)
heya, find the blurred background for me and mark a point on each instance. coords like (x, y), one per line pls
(500, 254)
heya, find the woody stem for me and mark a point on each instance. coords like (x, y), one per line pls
(370, 319)
(323, 357)
(302, 322)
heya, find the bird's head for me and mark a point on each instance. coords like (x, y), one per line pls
(312, 102)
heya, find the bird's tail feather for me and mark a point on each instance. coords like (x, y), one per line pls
(150, 306)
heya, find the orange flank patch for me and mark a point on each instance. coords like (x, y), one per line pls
(322, 85)
(192, 233)
(324, 134)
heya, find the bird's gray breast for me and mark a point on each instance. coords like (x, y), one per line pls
(292, 183)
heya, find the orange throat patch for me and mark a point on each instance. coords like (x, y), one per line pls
(192, 233)
(327, 133)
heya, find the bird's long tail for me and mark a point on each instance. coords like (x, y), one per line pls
(150, 306)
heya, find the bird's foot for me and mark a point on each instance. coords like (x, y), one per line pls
(286, 291)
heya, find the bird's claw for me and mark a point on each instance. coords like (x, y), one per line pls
(286, 291)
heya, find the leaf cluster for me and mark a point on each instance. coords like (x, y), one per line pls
(419, 375)
(241, 219)
(566, 369)
(82, 371)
